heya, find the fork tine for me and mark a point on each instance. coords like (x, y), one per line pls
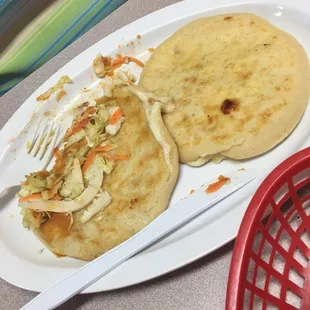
(48, 155)
(35, 136)
(40, 139)
(47, 140)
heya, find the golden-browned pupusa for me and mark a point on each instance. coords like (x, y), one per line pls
(140, 187)
(241, 85)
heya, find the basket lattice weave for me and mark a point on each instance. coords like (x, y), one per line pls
(270, 266)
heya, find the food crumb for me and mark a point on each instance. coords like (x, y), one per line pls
(241, 169)
(192, 191)
(214, 187)
(59, 255)
(139, 36)
(60, 94)
(151, 49)
(40, 251)
(28, 145)
(11, 139)
(59, 85)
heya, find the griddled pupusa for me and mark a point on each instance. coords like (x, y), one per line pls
(241, 85)
(139, 186)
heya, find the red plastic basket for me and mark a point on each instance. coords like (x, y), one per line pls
(270, 264)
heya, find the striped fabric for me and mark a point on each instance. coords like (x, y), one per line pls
(33, 31)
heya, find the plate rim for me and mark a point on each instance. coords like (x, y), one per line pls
(149, 22)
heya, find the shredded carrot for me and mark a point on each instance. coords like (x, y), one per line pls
(115, 157)
(192, 191)
(82, 123)
(60, 166)
(56, 152)
(78, 127)
(56, 197)
(214, 187)
(77, 145)
(30, 198)
(126, 59)
(100, 150)
(116, 116)
(103, 148)
(89, 110)
(119, 61)
(43, 173)
(89, 160)
(137, 61)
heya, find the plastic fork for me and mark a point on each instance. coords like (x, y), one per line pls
(36, 157)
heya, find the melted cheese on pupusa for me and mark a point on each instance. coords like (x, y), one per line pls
(153, 107)
(98, 204)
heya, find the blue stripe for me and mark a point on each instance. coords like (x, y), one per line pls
(59, 39)
(90, 22)
(94, 20)
(115, 4)
(7, 7)
(11, 19)
(4, 6)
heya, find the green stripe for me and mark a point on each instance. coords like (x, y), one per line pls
(28, 33)
(25, 61)
(62, 42)
(44, 36)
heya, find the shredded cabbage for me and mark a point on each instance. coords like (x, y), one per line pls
(76, 137)
(36, 180)
(49, 194)
(74, 182)
(108, 166)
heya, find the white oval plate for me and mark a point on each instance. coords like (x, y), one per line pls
(21, 263)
